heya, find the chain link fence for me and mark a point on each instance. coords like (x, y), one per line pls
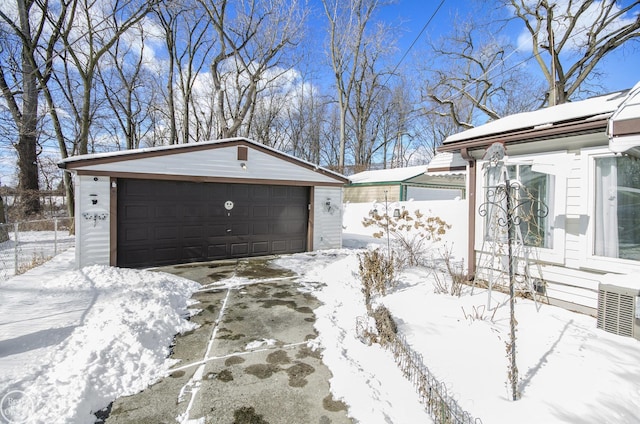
(27, 244)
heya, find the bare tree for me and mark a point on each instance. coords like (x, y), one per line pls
(95, 29)
(252, 38)
(19, 87)
(471, 78)
(570, 38)
(129, 91)
(348, 22)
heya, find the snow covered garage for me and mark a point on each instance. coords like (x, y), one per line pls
(201, 201)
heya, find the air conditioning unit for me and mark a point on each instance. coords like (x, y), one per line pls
(619, 310)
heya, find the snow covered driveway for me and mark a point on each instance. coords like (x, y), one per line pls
(252, 359)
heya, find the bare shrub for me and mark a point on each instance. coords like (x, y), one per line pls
(412, 233)
(386, 326)
(36, 260)
(377, 272)
(452, 279)
(479, 313)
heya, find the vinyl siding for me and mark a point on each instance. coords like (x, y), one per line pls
(221, 162)
(327, 225)
(92, 221)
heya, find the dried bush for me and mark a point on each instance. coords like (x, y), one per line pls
(452, 279)
(377, 272)
(411, 233)
(386, 326)
(479, 313)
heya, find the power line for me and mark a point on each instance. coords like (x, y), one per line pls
(415, 40)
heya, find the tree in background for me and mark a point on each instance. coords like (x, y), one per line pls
(471, 80)
(570, 38)
(22, 34)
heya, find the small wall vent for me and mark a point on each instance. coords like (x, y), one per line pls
(617, 310)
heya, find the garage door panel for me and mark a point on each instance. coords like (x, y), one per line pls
(167, 233)
(136, 235)
(136, 211)
(217, 251)
(166, 211)
(167, 222)
(279, 246)
(260, 228)
(192, 252)
(192, 231)
(260, 248)
(239, 249)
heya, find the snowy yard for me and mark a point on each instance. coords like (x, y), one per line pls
(72, 341)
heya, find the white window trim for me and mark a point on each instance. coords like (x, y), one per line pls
(552, 161)
(590, 261)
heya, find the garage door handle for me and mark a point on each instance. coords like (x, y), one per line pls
(229, 230)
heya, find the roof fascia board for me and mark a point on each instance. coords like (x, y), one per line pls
(528, 135)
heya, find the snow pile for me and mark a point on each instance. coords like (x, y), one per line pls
(109, 337)
(569, 371)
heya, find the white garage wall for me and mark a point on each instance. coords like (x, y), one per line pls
(92, 220)
(327, 213)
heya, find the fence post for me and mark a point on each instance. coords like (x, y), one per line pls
(15, 248)
(55, 236)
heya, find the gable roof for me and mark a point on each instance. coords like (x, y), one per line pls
(585, 116)
(393, 175)
(116, 161)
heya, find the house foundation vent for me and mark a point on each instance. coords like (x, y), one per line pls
(619, 310)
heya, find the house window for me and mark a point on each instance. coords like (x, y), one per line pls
(534, 199)
(617, 206)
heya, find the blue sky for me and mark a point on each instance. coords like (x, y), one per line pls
(621, 67)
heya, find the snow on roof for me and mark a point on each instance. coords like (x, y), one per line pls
(446, 160)
(593, 108)
(387, 175)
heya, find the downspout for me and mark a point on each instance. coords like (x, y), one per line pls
(471, 213)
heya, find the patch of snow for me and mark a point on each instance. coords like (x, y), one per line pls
(256, 344)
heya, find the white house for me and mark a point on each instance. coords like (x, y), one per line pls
(581, 161)
(201, 201)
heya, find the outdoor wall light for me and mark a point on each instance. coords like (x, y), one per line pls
(396, 213)
(243, 166)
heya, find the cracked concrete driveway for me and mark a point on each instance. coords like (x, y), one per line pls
(250, 361)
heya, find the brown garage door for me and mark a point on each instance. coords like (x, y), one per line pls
(169, 222)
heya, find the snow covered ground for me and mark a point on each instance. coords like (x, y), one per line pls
(32, 247)
(71, 341)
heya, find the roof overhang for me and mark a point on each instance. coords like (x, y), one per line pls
(623, 128)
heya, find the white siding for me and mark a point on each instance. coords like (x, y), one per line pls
(219, 162)
(327, 214)
(92, 220)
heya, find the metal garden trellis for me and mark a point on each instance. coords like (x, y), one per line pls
(504, 203)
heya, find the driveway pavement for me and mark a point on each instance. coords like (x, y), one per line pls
(250, 361)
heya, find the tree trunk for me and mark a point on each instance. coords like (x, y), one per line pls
(27, 140)
(4, 233)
